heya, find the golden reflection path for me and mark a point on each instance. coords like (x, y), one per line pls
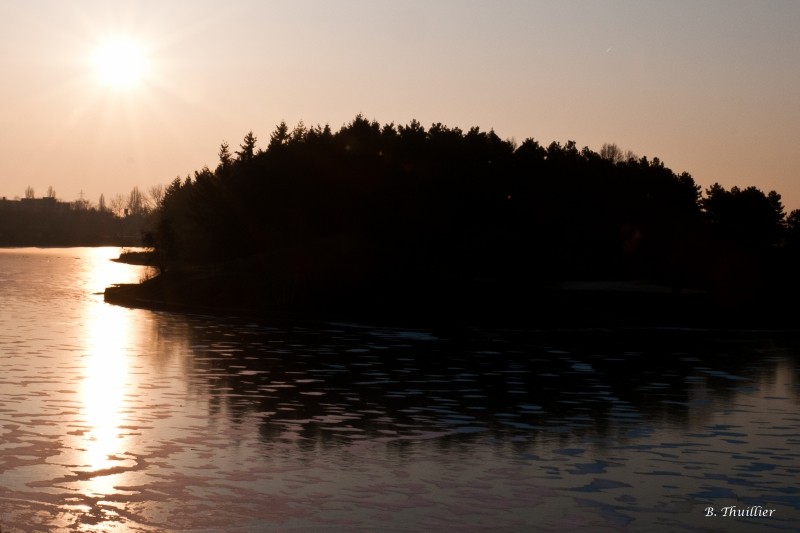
(106, 377)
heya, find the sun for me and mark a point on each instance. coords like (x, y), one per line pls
(121, 63)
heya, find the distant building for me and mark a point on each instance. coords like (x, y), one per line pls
(33, 205)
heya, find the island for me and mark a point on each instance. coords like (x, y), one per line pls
(458, 227)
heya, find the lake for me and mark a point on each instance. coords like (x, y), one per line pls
(116, 419)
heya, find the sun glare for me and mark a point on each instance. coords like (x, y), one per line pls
(121, 63)
(107, 380)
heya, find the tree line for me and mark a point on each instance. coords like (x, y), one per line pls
(405, 212)
(48, 221)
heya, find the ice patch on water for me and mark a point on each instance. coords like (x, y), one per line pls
(582, 367)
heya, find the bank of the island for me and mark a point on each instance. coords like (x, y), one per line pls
(246, 289)
(212, 289)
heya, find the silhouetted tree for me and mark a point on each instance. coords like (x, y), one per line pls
(136, 204)
(279, 137)
(614, 154)
(299, 133)
(746, 216)
(225, 157)
(156, 195)
(117, 205)
(407, 212)
(793, 228)
(248, 148)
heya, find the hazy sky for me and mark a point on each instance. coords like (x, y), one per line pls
(710, 87)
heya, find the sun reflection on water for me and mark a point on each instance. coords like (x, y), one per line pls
(106, 379)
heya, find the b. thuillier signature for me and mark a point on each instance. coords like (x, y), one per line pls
(732, 510)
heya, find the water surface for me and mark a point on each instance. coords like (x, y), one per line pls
(114, 419)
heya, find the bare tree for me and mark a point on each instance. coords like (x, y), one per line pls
(51, 193)
(101, 204)
(30, 193)
(156, 194)
(137, 204)
(117, 205)
(612, 152)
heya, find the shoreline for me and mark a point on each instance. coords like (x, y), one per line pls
(568, 306)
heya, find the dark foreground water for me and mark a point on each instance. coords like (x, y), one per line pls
(114, 419)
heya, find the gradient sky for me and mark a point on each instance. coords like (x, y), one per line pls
(711, 87)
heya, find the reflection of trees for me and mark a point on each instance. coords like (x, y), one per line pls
(320, 388)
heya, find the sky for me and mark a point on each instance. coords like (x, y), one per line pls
(711, 88)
